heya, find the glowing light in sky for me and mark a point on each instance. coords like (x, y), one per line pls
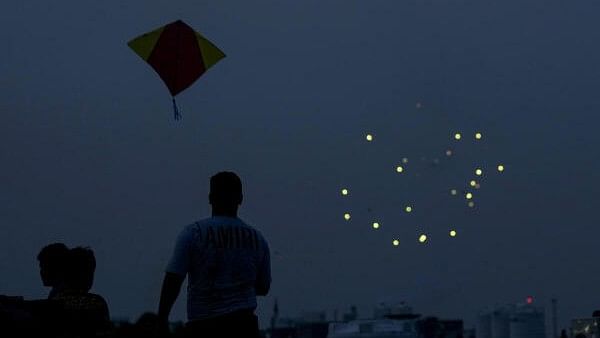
(347, 216)
(453, 192)
(405, 160)
(423, 238)
(408, 208)
(457, 136)
(478, 172)
(500, 168)
(478, 136)
(375, 225)
(369, 137)
(452, 233)
(469, 196)
(396, 242)
(344, 192)
(448, 152)
(471, 204)
(399, 169)
(473, 183)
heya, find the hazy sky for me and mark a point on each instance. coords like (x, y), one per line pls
(90, 154)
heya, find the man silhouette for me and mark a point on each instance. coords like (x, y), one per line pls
(227, 263)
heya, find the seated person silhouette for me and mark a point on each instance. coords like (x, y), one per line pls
(84, 314)
(53, 261)
(34, 317)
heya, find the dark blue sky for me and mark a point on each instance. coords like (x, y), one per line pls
(90, 154)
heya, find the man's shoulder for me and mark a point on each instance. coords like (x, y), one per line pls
(195, 226)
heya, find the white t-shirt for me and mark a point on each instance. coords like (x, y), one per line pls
(226, 261)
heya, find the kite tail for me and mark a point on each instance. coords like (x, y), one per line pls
(177, 115)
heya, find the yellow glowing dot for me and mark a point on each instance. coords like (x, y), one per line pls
(478, 172)
(369, 137)
(469, 196)
(500, 168)
(399, 169)
(471, 204)
(473, 183)
(457, 136)
(396, 242)
(453, 192)
(408, 208)
(375, 225)
(448, 152)
(344, 192)
(452, 233)
(478, 136)
(405, 160)
(423, 238)
(347, 216)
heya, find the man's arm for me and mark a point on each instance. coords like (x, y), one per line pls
(170, 290)
(175, 273)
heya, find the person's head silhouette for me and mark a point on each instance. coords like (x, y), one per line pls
(81, 268)
(53, 264)
(225, 194)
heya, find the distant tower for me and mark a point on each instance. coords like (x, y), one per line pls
(554, 318)
(275, 316)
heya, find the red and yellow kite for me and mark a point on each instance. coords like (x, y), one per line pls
(178, 54)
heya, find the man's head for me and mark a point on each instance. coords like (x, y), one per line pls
(225, 193)
(81, 268)
(53, 261)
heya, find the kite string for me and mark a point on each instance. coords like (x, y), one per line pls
(176, 110)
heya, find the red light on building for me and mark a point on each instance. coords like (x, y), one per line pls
(529, 300)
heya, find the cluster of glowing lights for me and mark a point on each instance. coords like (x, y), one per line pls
(473, 183)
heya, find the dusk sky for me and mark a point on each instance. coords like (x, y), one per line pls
(90, 154)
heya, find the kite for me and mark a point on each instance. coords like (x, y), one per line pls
(178, 54)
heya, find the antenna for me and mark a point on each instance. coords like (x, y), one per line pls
(554, 318)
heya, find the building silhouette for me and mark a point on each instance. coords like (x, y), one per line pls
(512, 321)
